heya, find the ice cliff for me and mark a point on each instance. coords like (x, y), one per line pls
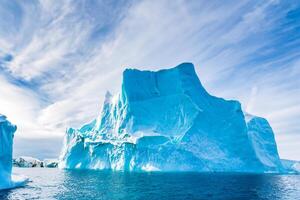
(167, 121)
(7, 180)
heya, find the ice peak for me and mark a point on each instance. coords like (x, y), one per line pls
(183, 67)
(140, 85)
(186, 67)
(2, 118)
(108, 97)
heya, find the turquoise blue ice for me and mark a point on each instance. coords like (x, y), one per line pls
(7, 180)
(167, 121)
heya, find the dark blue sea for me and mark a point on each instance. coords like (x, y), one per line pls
(106, 185)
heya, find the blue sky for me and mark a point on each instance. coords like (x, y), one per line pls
(58, 58)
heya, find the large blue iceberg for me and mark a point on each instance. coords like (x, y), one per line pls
(7, 180)
(167, 121)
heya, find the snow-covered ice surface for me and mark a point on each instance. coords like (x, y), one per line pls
(30, 162)
(27, 161)
(167, 121)
(7, 180)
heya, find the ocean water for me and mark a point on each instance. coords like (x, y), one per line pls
(88, 185)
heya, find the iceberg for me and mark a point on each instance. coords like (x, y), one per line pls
(7, 180)
(26, 162)
(30, 162)
(166, 121)
(50, 163)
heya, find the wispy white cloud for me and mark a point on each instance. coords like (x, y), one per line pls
(20, 105)
(71, 52)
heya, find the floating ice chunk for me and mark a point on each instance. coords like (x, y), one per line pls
(7, 131)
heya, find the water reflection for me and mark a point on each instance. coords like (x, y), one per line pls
(68, 184)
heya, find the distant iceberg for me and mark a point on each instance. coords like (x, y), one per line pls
(7, 180)
(30, 162)
(167, 121)
(27, 162)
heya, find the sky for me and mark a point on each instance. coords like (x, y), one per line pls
(58, 59)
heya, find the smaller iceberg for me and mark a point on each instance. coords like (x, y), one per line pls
(50, 163)
(30, 162)
(7, 180)
(292, 166)
(27, 162)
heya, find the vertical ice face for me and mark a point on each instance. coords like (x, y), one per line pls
(263, 142)
(166, 120)
(7, 131)
(160, 103)
(7, 180)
